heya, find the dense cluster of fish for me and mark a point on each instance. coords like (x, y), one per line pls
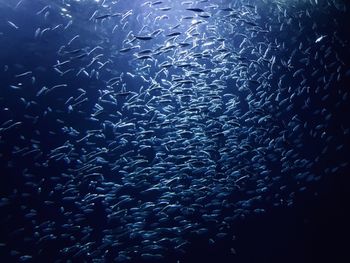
(128, 127)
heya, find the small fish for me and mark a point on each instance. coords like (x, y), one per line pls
(174, 34)
(144, 57)
(125, 49)
(144, 37)
(164, 8)
(12, 24)
(24, 74)
(71, 41)
(156, 3)
(43, 9)
(197, 10)
(102, 17)
(319, 39)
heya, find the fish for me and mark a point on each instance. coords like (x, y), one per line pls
(173, 34)
(137, 132)
(102, 16)
(13, 25)
(197, 10)
(319, 39)
(144, 37)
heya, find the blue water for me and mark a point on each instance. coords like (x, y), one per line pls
(174, 131)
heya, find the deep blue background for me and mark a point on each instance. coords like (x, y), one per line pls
(314, 229)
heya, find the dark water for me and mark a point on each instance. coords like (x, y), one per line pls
(226, 139)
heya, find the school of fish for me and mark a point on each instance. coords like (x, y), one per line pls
(129, 127)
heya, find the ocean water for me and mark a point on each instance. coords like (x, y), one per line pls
(174, 131)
